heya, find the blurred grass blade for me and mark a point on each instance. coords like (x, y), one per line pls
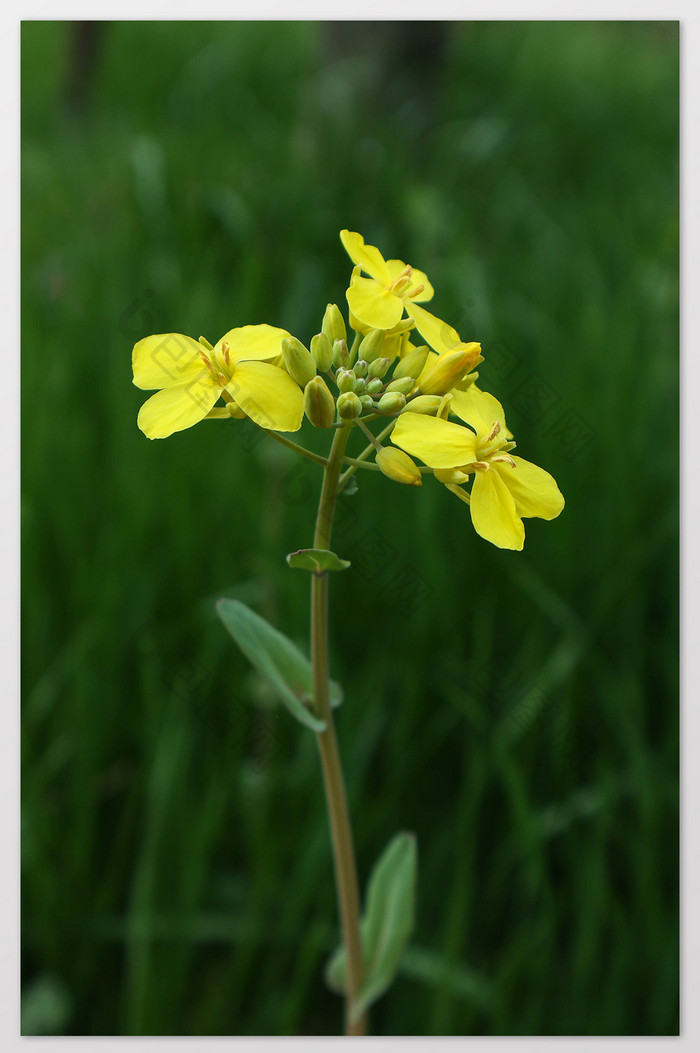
(277, 659)
(386, 924)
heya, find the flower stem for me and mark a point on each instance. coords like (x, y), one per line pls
(309, 454)
(338, 816)
(365, 453)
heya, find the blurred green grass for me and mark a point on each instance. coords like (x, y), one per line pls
(518, 712)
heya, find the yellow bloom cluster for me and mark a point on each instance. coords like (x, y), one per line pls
(264, 373)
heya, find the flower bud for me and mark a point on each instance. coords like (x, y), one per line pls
(333, 326)
(322, 351)
(298, 360)
(443, 373)
(340, 354)
(411, 365)
(374, 386)
(397, 465)
(368, 403)
(423, 404)
(360, 368)
(349, 405)
(360, 385)
(346, 380)
(235, 410)
(371, 345)
(319, 404)
(379, 367)
(404, 384)
(391, 402)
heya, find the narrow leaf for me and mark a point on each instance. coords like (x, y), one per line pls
(317, 560)
(277, 659)
(386, 924)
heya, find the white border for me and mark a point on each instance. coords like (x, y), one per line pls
(9, 533)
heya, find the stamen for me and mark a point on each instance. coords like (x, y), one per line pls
(400, 285)
(226, 353)
(416, 291)
(506, 460)
(494, 432)
(207, 363)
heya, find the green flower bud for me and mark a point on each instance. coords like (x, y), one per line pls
(349, 405)
(333, 325)
(360, 384)
(319, 404)
(404, 384)
(371, 345)
(360, 368)
(397, 465)
(298, 360)
(411, 365)
(373, 386)
(367, 402)
(379, 367)
(391, 402)
(340, 354)
(322, 351)
(423, 404)
(346, 380)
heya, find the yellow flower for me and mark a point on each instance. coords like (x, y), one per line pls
(379, 301)
(191, 378)
(506, 489)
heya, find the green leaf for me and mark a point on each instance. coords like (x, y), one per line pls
(277, 659)
(318, 560)
(386, 924)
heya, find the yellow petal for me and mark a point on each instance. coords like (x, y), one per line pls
(164, 360)
(177, 408)
(253, 342)
(479, 409)
(372, 304)
(441, 336)
(493, 512)
(365, 256)
(535, 491)
(268, 396)
(451, 476)
(439, 443)
(427, 293)
(396, 267)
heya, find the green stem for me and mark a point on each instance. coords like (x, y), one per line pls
(363, 456)
(315, 457)
(338, 815)
(360, 464)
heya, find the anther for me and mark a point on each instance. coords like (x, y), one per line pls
(207, 363)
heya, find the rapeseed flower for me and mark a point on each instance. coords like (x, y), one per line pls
(379, 300)
(191, 376)
(506, 489)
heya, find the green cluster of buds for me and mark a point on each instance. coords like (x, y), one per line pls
(363, 375)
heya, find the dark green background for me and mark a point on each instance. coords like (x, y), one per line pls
(518, 711)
